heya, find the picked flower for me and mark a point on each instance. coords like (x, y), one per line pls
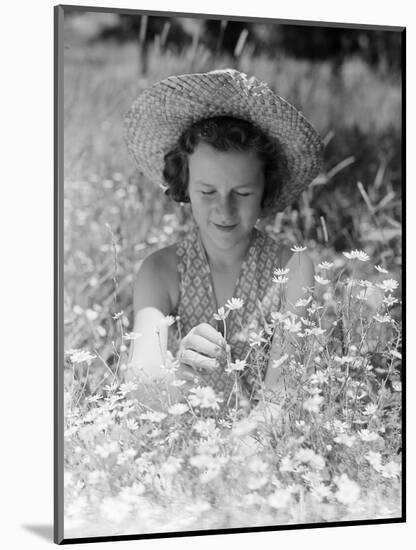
(234, 303)
(280, 280)
(388, 285)
(221, 315)
(236, 366)
(279, 272)
(380, 269)
(321, 280)
(167, 321)
(357, 255)
(297, 248)
(326, 265)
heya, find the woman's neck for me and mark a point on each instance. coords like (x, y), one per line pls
(223, 260)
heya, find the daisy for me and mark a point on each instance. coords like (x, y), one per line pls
(357, 255)
(278, 362)
(375, 460)
(297, 248)
(390, 300)
(367, 435)
(321, 280)
(153, 416)
(279, 499)
(348, 490)
(365, 283)
(345, 439)
(79, 356)
(302, 302)
(391, 470)
(118, 315)
(397, 385)
(178, 409)
(131, 424)
(382, 318)
(370, 409)
(234, 303)
(380, 269)
(131, 335)
(312, 404)
(388, 285)
(204, 397)
(326, 265)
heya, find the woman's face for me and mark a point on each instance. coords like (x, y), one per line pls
(225, 191)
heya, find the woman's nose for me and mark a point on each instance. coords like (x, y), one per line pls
(226, 207)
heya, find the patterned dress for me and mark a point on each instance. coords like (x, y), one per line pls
(197, 302)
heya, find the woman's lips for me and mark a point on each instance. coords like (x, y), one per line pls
(225, 228)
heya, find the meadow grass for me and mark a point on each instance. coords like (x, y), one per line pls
(330, 450)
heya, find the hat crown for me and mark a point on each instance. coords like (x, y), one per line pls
(164, 111)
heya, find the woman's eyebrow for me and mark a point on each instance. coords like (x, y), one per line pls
(241, 186)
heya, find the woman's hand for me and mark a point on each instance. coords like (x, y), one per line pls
(200, 352)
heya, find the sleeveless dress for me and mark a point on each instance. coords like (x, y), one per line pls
(197, 303)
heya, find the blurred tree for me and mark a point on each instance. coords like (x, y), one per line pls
(381, 48)
(376, 47)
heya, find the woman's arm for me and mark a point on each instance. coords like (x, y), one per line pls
(151, 304)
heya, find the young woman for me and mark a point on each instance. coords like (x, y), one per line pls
(235, 151)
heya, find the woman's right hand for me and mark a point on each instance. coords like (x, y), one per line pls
(200, 352)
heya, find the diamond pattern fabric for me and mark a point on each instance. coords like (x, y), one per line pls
(197, 301)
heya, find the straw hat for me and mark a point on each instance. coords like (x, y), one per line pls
(162, 112)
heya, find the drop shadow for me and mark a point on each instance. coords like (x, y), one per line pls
(43, 531)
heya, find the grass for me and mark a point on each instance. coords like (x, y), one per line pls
(334, 454)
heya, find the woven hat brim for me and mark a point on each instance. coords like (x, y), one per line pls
(162, 112)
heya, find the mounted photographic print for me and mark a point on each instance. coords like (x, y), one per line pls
(228, 274)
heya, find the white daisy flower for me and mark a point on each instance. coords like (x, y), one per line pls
(357, 255)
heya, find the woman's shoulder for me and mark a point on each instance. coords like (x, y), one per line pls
(157, 280)
(280, 251)
(163, 259)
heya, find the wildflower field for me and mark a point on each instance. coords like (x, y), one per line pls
(326, 445)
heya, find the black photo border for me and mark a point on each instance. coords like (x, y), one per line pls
(58, 354)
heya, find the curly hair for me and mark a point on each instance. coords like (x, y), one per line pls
(225, 134)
